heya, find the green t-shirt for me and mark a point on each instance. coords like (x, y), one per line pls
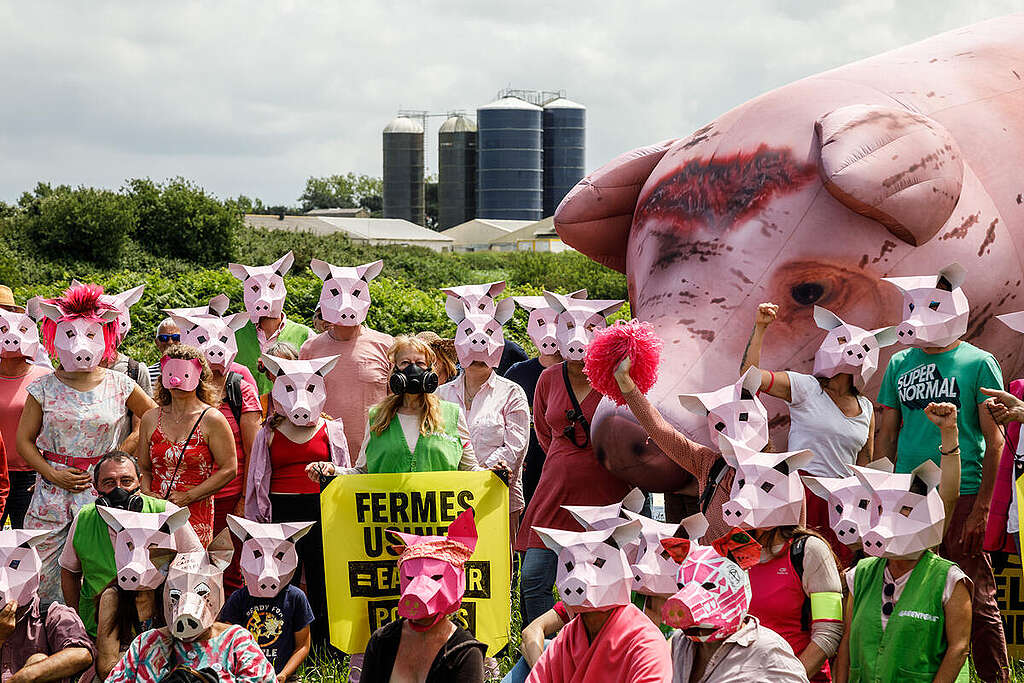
(249, 347)
(913, 379)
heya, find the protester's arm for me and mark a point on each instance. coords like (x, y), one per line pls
(516, 414)
(139, 403)
(142, 454)
(866, 454)
(298, 655)
(958, 634)
(540, 421)
(71, 586)
(248, 427)
(944, 416)
(973, 533)
(64, 664)
(887, 435)
(29, 426)
(108, 640)
(824, 590)
(535, 633)
(841, 670)
(772, 383)
(1003, 406)
(222, 448)
(468, 462)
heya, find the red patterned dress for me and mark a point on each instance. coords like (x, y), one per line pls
(180, 467)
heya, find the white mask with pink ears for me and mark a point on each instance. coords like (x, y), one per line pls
(542, 325)
(734, 410)
(299, 392)
(478, 336)
(19, 335)
(476, 298)
(268, 559)
(183, 374)
(848, 348)
(577, 320)
(345, 295)
(766, 491)
(263, 289)
(932, 316)
(213, 335)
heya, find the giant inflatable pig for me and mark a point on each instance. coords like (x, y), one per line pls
(808, 195)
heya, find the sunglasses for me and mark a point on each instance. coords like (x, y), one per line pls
(164, 338)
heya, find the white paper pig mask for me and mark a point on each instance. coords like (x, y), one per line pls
(134, 534)
(907, 515)
(263, 289)
(20, 565)
(478, 336)
(79, 328)
(216, 307)
(268, 559)
(194, 588)
(299, 391)
(213, 335)
(766, 490)
(935, 309)
(19, 335)
(593, 571)
(849, 502)
(848, 348)
(542, 325)
(654, 569)
(577, 320)
(476, 298)
(599, 517)
(734, 411)
(345, 295)
(123, 302)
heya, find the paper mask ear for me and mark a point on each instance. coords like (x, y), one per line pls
(30, 538)
(955, 274)
(799, 460)
(221, 550)
(578, 294)
(129, 297)
(610, 306)
(270, 363)
(555, 301)
(693, 403)
(885, 336)
(634, 500)
(407, 539)
(506, 308)
(50, 311)
(327, 366)
(463, 529)
(295, 530)
(282, 265)
(109, 314)
(175, 520)
(239, 271)
(237, 321)
(322, 269)
(370, 270)
(33, 308)
(555, 539)
(929, 473)
(693, 527)
(162, 557)
(752, 380)
(740, 547)
(819, 486)
(677, 548)
(219, 304)
(624, 534)
(110, 518)
(826, 319)
(1015, 321)
(238, 527)
(455, 308)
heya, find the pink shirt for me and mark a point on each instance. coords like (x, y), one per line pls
(250, 404)
(499, 426)
(12, 402)
(629, 647)
(358, 381)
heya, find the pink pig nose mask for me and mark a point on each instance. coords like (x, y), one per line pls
(263, 290)
(734, 411)
(478, 336)
(432, 572)
(935, 309)
(299, 392)
(20, 565)
(848, 348)
(542, 325)
(268, 559)
(180, 373)
(577, 320)
(345, 295)
(19, 335)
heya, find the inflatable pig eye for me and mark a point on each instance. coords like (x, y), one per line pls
(807, 293)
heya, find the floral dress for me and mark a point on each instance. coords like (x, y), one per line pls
(79, 424)
(234, 655)
(181, 467)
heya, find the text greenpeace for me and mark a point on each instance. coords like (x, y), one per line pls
(925, 384)
(923, 616)
(361, 568)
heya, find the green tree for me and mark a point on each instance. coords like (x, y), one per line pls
(84, 223)
(342, 191)
(179, 220)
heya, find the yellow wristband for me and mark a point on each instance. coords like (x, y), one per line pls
(826, 606)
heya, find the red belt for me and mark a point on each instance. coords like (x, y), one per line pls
(79, 463)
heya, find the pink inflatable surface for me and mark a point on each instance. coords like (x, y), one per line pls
(893, 166)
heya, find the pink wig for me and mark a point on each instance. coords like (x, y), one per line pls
(609, 346)
(82, 301)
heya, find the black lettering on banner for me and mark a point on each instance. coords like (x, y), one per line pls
(362, 506)
(424, 506)
(399, 503)
(379, 501)
(447, 506)
(465, 499)
(379, 579)
(478, 579)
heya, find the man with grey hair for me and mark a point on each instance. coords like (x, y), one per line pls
(167, 333)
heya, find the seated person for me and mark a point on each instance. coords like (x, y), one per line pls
(35, 645)
(193, 638)
(276, 612)
(424, 645)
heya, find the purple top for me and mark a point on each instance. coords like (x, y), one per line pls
(59, 630)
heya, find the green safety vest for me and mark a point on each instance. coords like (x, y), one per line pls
(437, 452)
(914, 641)
(96, 555)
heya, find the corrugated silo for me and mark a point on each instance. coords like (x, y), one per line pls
(403, 170)
(510, 168)
(565, 131)
(456, 176)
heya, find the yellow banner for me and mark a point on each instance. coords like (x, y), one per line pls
(362, 579)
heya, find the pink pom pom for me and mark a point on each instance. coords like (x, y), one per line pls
(609, 346)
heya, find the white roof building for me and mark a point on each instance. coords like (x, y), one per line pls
(477, 234)
(534, 236)
(360, 230)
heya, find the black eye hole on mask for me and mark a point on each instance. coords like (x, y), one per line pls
(719, 426)
(746, 395)
(934, 305)
(599, 562)
(744, 417)
(918, 486)
(767, 487)
(863, 504)
(782, 467)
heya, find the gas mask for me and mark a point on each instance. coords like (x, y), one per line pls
(122, 499)
(412, 379)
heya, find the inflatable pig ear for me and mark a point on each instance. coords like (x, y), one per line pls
(898, 167)
(935, 308)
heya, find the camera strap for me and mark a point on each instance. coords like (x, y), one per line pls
(576, 410)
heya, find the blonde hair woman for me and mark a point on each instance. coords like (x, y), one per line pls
(186, 449)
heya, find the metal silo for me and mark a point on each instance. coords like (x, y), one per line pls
(456, 177)
(510, 167)
(403, 170)
(565, 131)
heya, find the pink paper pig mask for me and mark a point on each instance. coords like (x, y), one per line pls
(213, 335)
(263, 289)
(476, 298)
(268, 559)
(907, 515)
(766, 491)
(654, 569)
(345, 295)
(542, 324)
(600, 517)
(593, 570)
(19, 335)
(577, 320)
(299, 391)
(79, 328)
(183, 374)
(734, 411)
(849, 502)
(217, 306)
(478, 336)
(194, 589)
(935, 309)
(20, 565)
(848, 348)
(134, 534)
(773, 201)
(432, 572)
(123, 302)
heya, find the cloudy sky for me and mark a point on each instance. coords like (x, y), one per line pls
(253, 97)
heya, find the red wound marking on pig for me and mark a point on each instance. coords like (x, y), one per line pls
(887, 246)
(724, 191)
(960, 231)
(990, 237)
